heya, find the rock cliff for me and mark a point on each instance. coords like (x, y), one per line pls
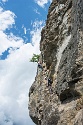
(61, 49)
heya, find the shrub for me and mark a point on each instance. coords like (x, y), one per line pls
(35, 58)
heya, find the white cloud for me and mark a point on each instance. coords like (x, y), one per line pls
(6, 22)
(36, 34)
(9, 41)
(42, 2)
(4, 1)
(6, 19)
(25, 30)
(36, 11)
(14, 86)
(16, 72)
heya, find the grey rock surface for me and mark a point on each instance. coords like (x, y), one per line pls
(61, 49)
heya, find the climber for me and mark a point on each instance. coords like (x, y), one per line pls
(50, 85)
(40, 65)
(39, 121)
(49, 82)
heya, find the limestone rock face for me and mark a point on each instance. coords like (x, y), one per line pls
(61, 48)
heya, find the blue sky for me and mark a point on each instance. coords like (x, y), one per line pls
(21, 22)
(25, 13)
